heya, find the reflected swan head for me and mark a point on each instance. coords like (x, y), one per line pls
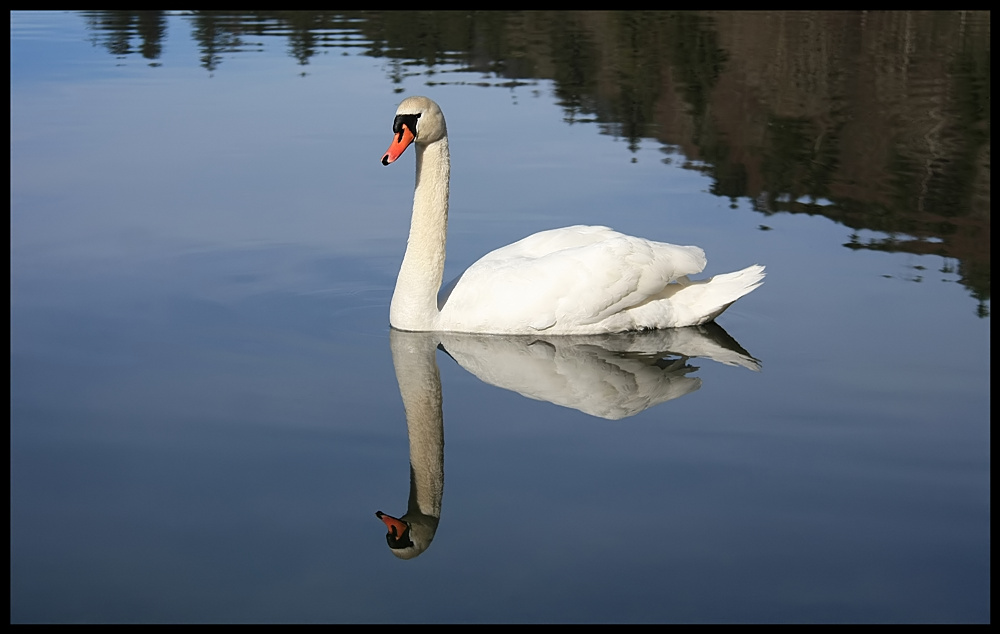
(410, 535)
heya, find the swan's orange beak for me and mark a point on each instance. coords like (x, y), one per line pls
(395, 526)
(399, 143)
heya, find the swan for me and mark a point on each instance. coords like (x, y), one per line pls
(571, 281)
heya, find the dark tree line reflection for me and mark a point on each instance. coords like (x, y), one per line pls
(878, 121)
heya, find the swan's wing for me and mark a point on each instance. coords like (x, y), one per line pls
(545, 242)
(577, 275)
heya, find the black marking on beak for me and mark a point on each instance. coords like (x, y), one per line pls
(409, 120)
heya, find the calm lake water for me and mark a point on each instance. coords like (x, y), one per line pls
(207, 403)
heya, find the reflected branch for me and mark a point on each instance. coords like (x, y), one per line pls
(880, 120)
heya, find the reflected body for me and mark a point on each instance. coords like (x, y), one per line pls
(608, 376)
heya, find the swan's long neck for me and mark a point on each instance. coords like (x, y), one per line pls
(414, 301)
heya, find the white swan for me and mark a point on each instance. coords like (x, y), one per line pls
(574, 280)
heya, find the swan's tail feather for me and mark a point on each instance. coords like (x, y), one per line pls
(700, 302)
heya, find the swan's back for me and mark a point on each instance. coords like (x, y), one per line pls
(572, 280)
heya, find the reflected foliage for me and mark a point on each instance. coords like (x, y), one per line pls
(878, 121)
(117, 29)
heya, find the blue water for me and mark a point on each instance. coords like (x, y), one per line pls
(205, 413)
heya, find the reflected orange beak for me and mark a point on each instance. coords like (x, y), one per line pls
(395, 526)
(399, 143)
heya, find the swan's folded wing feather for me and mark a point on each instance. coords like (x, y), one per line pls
(565, 276)
(545, 242)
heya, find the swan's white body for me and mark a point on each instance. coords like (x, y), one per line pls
(574, 280)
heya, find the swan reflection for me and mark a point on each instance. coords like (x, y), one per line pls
(608, 376)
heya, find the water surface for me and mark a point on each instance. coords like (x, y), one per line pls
(208, 406)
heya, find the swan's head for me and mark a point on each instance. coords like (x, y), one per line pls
(410, 535)
(418, 119)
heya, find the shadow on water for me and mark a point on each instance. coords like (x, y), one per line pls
(877, 121)
(607, 376)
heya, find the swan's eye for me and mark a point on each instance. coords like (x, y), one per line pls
(409, 120)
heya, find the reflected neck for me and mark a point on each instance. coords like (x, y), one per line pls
(413, 357)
